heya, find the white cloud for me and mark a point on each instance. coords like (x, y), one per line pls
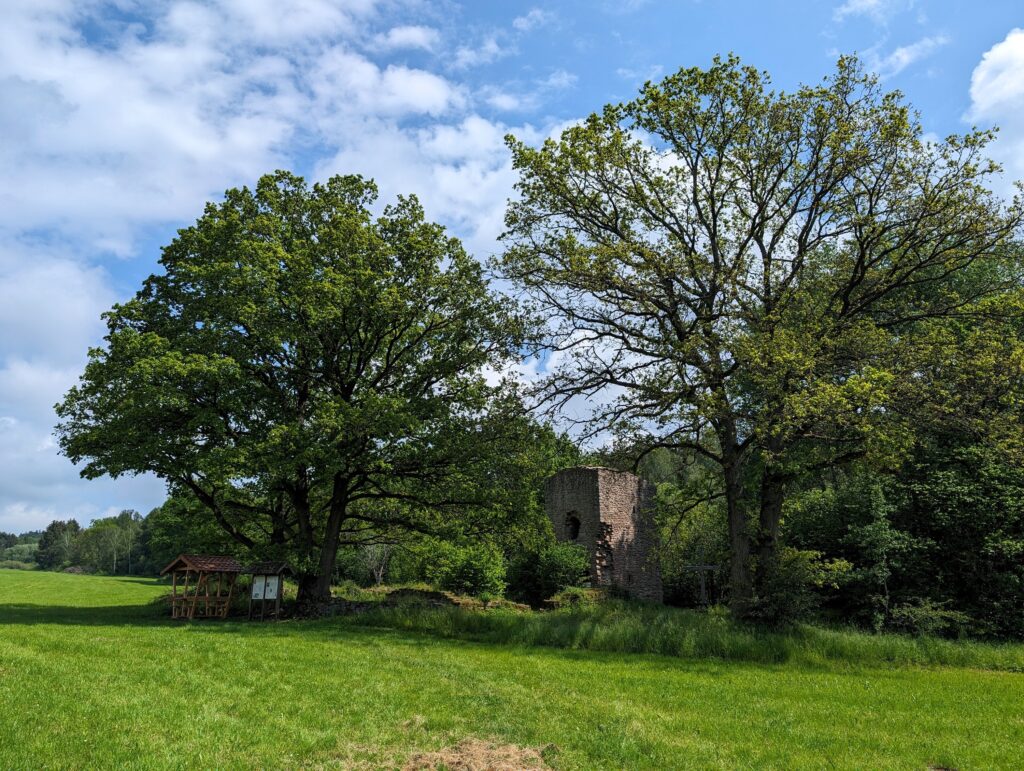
(878, 11)
(345, 82)
(519, 99)
(534, 18)
(488, 51)
(997, 98)
(653, 72)
(164, 116)
(409, 36)
(997, 83)
(558, 80)
(505, 101)
(118, 126)
(462, 172)
(900, 58)
(50, 310)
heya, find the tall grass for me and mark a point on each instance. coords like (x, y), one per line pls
(621, 627)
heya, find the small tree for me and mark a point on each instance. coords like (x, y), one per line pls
(476, 569)
(536, 575)
(57, 544)
(377, 557)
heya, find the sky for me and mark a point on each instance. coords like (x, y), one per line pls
(120, 119)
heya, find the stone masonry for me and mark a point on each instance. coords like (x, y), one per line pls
(610, 513)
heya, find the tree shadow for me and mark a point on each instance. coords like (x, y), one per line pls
(144, 580)
(98, 615)
(338, 631)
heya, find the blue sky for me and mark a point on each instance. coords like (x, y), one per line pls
(119, 119)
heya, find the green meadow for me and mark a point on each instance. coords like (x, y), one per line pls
(93, 674)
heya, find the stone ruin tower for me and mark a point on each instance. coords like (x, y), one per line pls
(610, 513)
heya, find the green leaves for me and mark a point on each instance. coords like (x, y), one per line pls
(747, 273)
(297, 360)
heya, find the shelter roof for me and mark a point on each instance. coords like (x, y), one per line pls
(205, 563)
(267, 568)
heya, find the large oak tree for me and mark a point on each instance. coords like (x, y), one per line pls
(312, 375)
(740, 273)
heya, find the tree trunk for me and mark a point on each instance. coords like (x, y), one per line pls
(317, 588)
(741, 588)
(307, 593)
(772, 494)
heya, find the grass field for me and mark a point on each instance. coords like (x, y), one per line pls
(93, 675)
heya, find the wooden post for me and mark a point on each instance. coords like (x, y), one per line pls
(195, 598)
(231, 589)
(184, 594)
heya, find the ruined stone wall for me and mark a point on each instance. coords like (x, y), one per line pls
(616, 526)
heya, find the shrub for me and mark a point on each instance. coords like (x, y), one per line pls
(924, 617)
(536, 576)
(21, 552)
(16, 565)
(475, 569)
(790, 589)
(577, 597)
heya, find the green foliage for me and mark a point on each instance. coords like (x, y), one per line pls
(773, 263)
(12, 564)
(924, 617)
(534, 576)
(790, 588)
(111, 545)
(691, 518)
(474, 569)
(577, 597)
(181, 525)
(314, 376)
(22, 552)
(943, 532)
(57, 544)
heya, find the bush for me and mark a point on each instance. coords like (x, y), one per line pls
(475, 569)
(789, 590)
(924, 617)
(577, 597)
(536, 576)
(21, 552)
(17, 565)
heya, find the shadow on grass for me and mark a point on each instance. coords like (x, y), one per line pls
(329, 632)
(610, 633)
(98, 615)
(144, 580)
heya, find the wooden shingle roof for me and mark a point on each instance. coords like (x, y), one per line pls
(205, 563)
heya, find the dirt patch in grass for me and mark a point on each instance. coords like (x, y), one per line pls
(478, 755)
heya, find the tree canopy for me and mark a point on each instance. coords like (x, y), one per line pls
(748, 275)
(313, 376)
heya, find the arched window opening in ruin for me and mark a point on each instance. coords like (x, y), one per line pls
(572, 526)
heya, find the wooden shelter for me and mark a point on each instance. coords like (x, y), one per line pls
(267, 587)
(201, 585)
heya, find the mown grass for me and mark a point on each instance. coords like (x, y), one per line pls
(93, 675)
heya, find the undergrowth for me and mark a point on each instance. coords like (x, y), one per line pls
(622, 627)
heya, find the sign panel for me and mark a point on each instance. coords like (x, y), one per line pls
(258, 586)
(270, 592)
